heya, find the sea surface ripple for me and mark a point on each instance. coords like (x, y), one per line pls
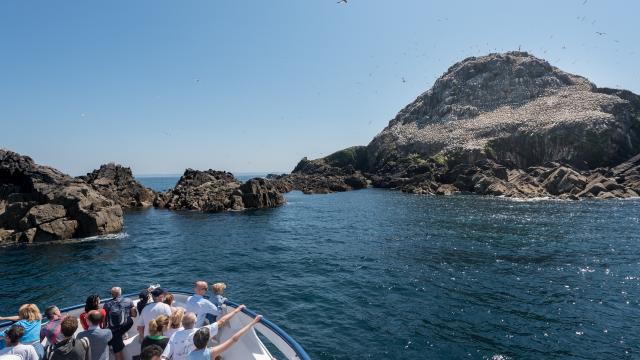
(380, 274)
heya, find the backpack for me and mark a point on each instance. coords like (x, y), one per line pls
(117, 314)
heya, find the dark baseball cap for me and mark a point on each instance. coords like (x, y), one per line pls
(158, 291)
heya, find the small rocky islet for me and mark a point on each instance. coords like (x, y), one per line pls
(507, 125)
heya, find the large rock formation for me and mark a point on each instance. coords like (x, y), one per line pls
(117, 183)
(215, 191)
(339, 171)
(504, 124)
(39, 203)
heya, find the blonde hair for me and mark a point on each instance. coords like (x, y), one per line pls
(158, 325)
(176, 317)
(168, 299)
(218, 288)
(29, 312)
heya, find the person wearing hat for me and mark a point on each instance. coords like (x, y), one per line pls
(152, 311)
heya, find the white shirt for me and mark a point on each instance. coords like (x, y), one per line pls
(201, 307)
(170, 331)
(27, 352)
(181, 343)
(150, 312)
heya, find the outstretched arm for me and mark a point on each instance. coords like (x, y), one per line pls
(217, 350)
(223, 320)
(10, 318)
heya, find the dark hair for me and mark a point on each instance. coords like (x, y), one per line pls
(69, 326)
(15, 333)
(49, 312)
(94, 317)
(150, 352)
(93, 303)
(201, 338)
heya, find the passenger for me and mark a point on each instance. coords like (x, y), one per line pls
(120, 313)
(98, 338)
(203, 308)
(168, 299)
(218, 294)
(181, 343)
(202, 336)
(152, 311)
(92, 303)
(51, 330)
(151, 352)
(29, 318)
(156, 336)
(13, 336)
(144, 300)
(70, 348)
(175, 322)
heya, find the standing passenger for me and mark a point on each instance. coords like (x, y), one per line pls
(51, 330)
(218, 294)
(98, 338)
(156, 336)
(202, 336)
(92, 303)
(203, 308)
(30, 319)
(70, 348)
(13, 335)
(152, 311)
(120, 313)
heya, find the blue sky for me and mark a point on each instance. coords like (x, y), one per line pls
(253, 86)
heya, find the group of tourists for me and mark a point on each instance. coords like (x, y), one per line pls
(165, 331)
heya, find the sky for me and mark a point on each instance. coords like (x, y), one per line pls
(254, 86)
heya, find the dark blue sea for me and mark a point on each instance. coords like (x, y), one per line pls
(380, 274)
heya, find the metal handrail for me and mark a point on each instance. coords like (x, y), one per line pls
(297, 348)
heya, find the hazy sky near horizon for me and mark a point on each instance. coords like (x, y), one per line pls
(253, 86)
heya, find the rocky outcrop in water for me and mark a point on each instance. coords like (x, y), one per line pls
(40, 203)
(334, 173)
(216, 191)
(502, 124)
(117, 183)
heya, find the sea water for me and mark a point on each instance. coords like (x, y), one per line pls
(379, 274)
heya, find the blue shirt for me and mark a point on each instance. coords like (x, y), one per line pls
(31, 331)
(203, 354)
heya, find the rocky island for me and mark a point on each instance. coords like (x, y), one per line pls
(216, 191)
(503, 124)
(39, 203)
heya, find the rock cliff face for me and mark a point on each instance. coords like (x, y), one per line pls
(39, 203)
(502, 124)
(216, 191)
(117, 183)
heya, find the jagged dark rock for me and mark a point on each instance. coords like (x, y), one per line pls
(216, 191)
(117, 183)
(502, 124)
(40, 203)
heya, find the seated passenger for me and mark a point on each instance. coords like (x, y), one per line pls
(51, 330)
(29, 318)
(70, 348)
(151, 352)
(181, 343)
(152, 311)
(92, 303)
(175, 321)
(203, 308)
(13, 336)
(156, 336)
(98, 338)
(202, 336)
(218, 294)
(120, 313)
